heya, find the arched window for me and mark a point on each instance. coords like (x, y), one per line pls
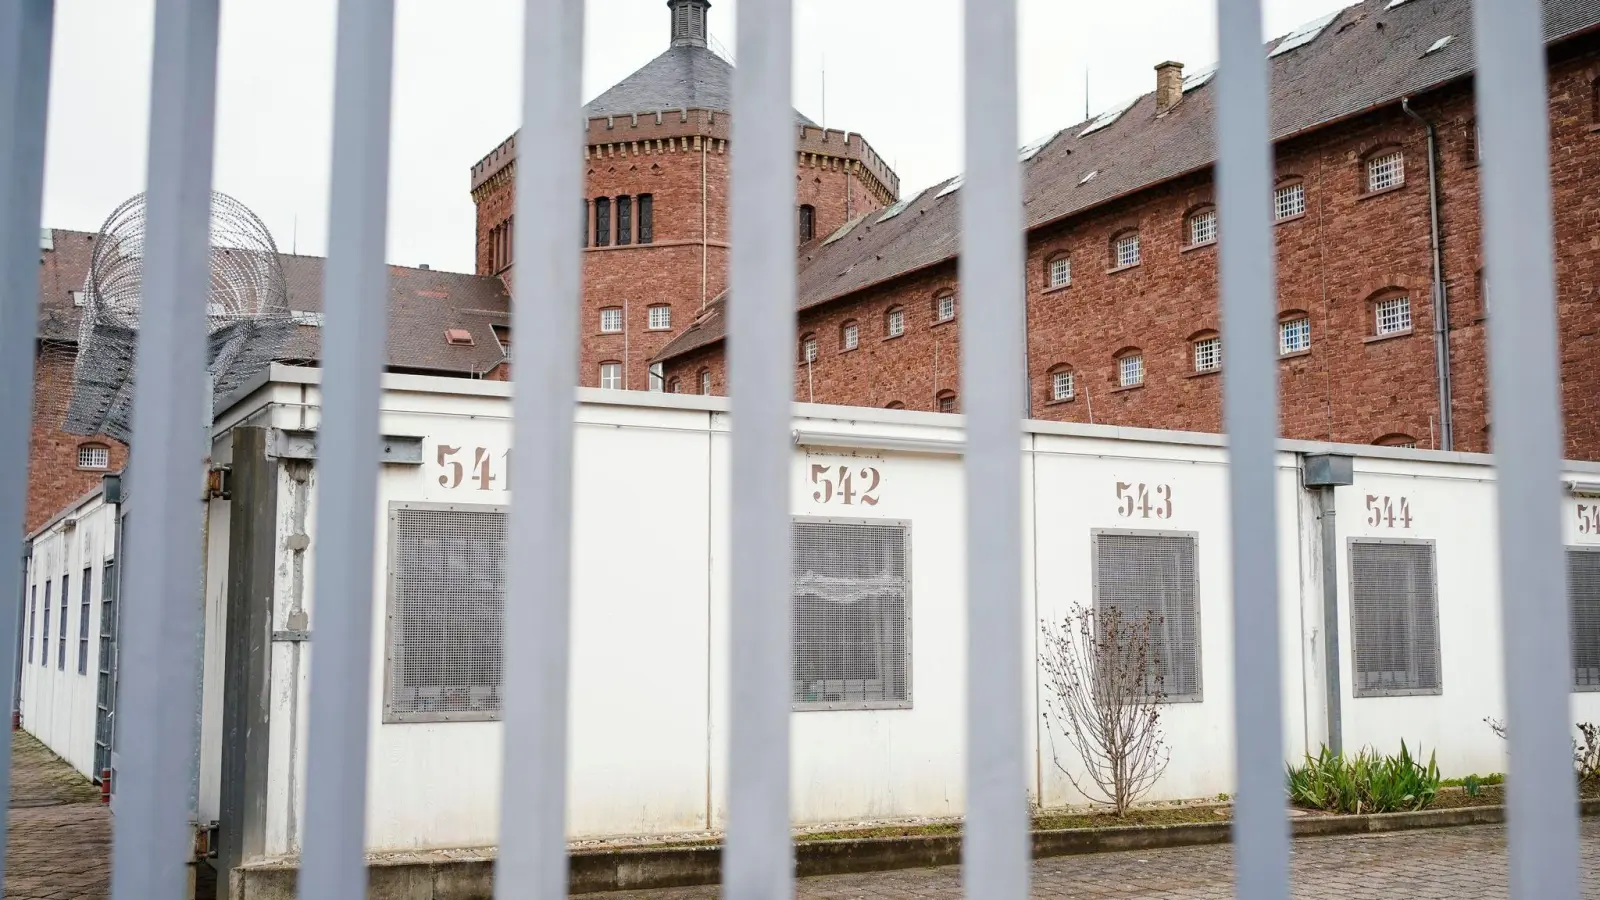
(1058, 271)
(849, 336)
(1385, 169)
(1130, 367)
(1063, 383)
(674, 386)
(611, 376)
(1397, 439)
(808, 223)
(624, 220)
(948, 402)
(895, 404)
(1206, 351)
(1294, 332)
(894, 321)
(94, 455)
(705, 382)
(1289, 198)
(808, 348)
(1390, 312)
(944, 306)
(1125, 250)
(1200, 226)
(602, 222)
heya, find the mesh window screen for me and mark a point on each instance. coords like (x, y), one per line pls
(447, 589)
(1142, 573)
(1394, 618)
(1583, 581)
(852, 607)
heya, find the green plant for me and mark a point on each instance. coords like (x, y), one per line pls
(1368, 782)
(1489, 780)
(1224, 797)
(1472, 785)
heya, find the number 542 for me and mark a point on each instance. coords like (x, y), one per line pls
(838, 483)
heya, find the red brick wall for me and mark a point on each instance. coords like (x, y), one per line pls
(1347, 247)
(837, 194)
(54, 479)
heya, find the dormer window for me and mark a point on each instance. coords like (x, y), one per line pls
(458, 337)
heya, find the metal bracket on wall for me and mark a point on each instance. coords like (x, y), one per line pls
(292, 636)
(402, 450)
(287, 444)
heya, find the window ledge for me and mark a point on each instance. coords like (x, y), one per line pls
(1188, 247)
(1127, 387)
(850, 349)
(1384, 337)
(1295, 354)
(667, 329)
(1061, 401)
(1294, 218)
(1594, 128)
(894, 337)
(1115, 269)
(1368, 195)
(1207, 372)
(943, 322)
(1057, 289)
(609, 333)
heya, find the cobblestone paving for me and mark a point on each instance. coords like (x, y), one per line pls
(58, 835)
(1449, 864)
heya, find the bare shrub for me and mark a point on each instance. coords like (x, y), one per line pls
(1585, 755)
(1104, 693)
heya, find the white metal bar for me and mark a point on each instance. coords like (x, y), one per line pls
(1513, 119)
(995, 852)
(757, 861)
(162, 601)
(25, 29)
(1250, 402)
(355, 328)
(532, 860)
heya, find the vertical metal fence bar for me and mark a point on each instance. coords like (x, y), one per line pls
(532, 861)
(353, 356)
(1250, 400)
(1519, 250)
(757, 862)
(995, 851)
(157, 650)
(25, 29)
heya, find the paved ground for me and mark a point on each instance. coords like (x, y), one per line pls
(57, 833)
(1450, 864)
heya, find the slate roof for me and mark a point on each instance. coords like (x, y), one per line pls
(685, 77)
(422, 304)
(1368, 56)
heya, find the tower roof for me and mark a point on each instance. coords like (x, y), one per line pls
(686, 76)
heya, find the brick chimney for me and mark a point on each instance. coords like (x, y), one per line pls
(688, 22)
(1169, 85)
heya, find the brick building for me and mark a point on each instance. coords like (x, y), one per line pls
(655, 213)
(1378, 343)
(440, 323)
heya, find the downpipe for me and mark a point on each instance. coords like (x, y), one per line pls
(1441, 306)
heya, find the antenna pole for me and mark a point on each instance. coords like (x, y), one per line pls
(1086, 93)
(824, 91)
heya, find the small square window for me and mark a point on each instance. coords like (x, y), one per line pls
(80, 298)
(1127, 250)
(1061, 386)
(1061, 271)
(1203, 228)
(851, 338)
(94, 456)
(1208, 354)
(611, 376)
(1386, 171)
(611, 320)
(945, 308)
(1130, 370)
(947, 403)
(1393, 315)
(660, 318)
(808, 350)
(1294, 335)
(1289, 201)
(897, 322)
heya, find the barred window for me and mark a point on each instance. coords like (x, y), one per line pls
(660, 318)
(1140, 573)
(1203, 227)
(1061, 387)
(1394, 617)
(611, 319)
(1289, 200)
(447, 589)
(624, 220)
(1386, 171)
(944, 307)
(94, 456)
(1392, 315)
(1061, 271)
(808, 349)
(1125, 251)
(1294, 335)
(1130, 369)
(705, 382)
(602, 222)
(808, 223)
(850, 336)
(647, 210)
(852, 613)
(895, 322)
(1583, 581)
(947, 402)
(1208, 354)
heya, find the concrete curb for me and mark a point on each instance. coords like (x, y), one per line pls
(595, 871)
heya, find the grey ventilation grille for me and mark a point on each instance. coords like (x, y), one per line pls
(1394, 618)
(852, 613)
(1583, 584)
(1143, 572)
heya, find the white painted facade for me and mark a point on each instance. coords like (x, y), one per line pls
(649, 711)
(61, 669)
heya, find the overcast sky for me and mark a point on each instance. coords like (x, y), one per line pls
(893, 73)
